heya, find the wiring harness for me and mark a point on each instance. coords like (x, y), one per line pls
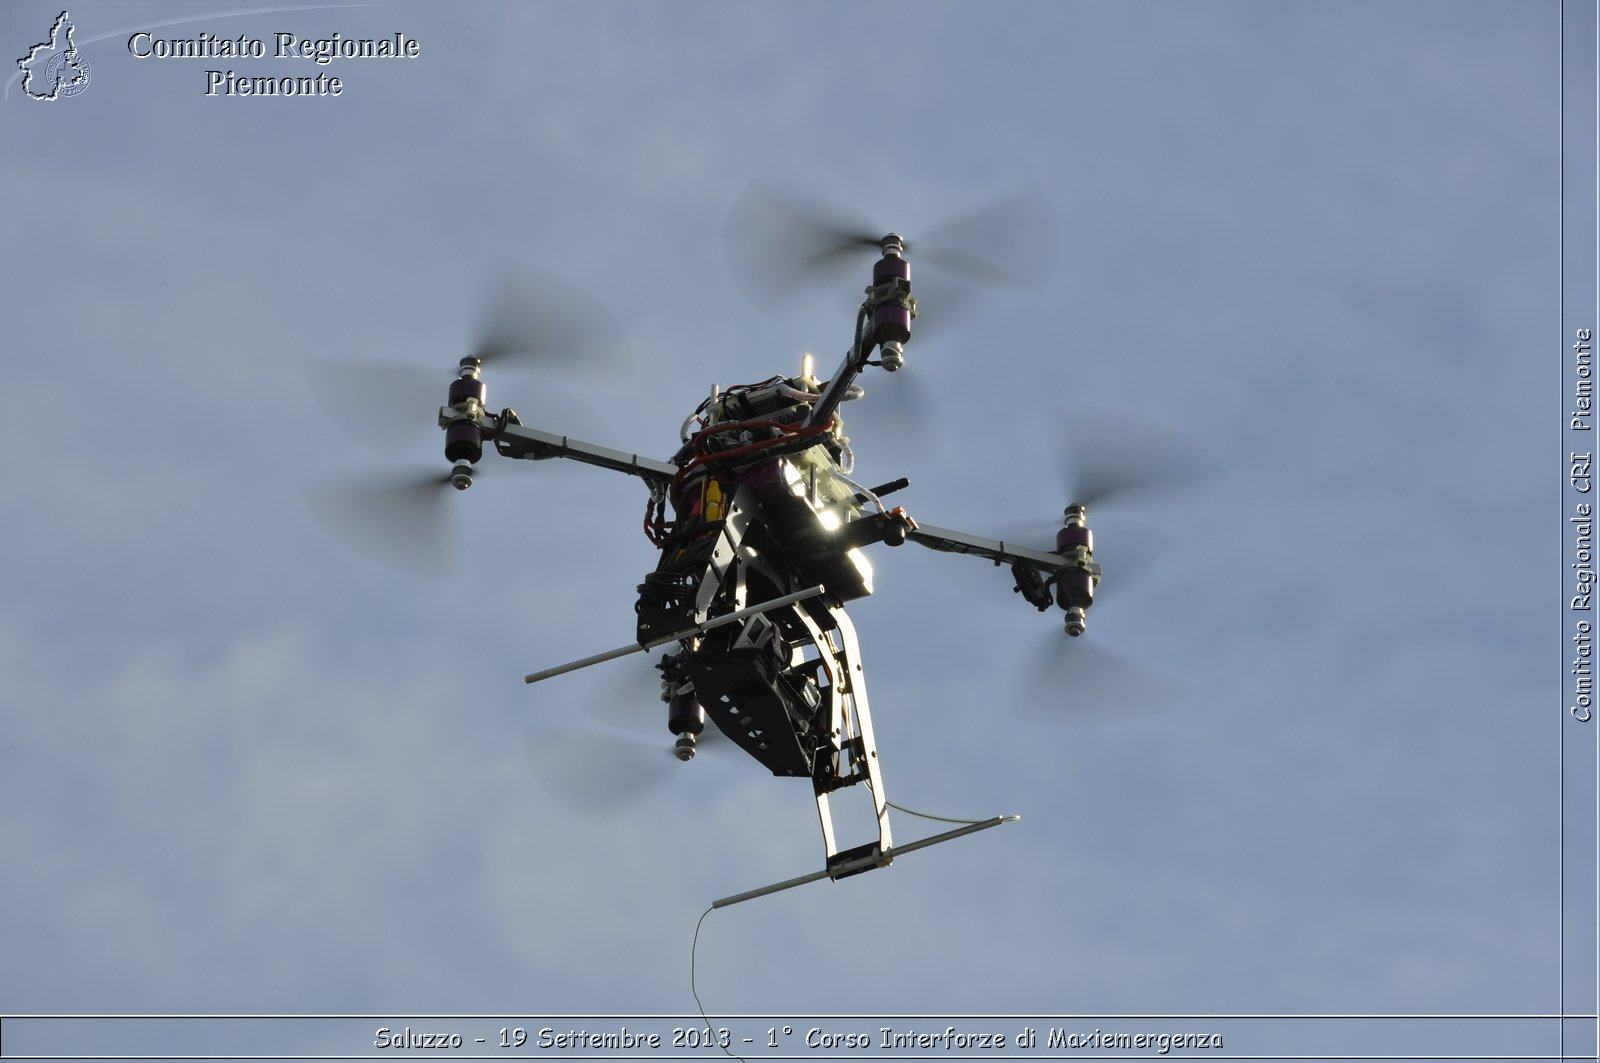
(740, 426)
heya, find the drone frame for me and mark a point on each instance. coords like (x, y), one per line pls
(849, 735)
(798, 607)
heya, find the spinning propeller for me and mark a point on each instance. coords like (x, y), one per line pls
(778, 240)
(610, 751)
(1114, 455)
(1112, 458)
(529, 319)
(533, 317)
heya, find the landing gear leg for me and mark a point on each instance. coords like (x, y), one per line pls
(850, 752)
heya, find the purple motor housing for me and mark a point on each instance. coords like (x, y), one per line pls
(463, 441)
(1074, 586)
(891, 322)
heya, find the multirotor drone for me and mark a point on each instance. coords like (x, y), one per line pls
(761, 533)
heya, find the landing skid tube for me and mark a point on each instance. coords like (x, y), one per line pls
(693, 629)
(856, 865)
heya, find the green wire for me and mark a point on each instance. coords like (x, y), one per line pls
(695, 944)
(693, 947)
(924, 815)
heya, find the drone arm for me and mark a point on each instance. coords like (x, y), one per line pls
(996, 550)
(1072, 572)
(520, 441)
(884, 321)
(854, 361)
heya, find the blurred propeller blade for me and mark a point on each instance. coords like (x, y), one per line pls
(1113, 453)
(778, 240)
(1013, 240)
(611, 750)
(896, 408)
(530, 318)
(398, 520)
(382, 404)
(389, 406)
(535, 317)
(629, 699)
(1080, 681)
(599, 771)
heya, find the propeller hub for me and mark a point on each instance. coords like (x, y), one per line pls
(461, 475)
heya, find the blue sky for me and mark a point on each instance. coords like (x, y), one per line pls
(248, 769)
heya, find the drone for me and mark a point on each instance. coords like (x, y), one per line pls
(761, 533)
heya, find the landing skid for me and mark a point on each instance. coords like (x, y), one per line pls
(848, 863)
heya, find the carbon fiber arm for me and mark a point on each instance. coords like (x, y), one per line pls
(520, 441)
(996, 550)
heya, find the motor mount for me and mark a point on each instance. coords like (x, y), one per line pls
(460, 417)
(892, 305)
(1075, 582)
(686, 717)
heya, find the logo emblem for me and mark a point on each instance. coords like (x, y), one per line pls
(55, 69)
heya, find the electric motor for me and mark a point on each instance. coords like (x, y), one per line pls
(686, 718)
(891, 283)
(1075, 582)
(463, 440)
